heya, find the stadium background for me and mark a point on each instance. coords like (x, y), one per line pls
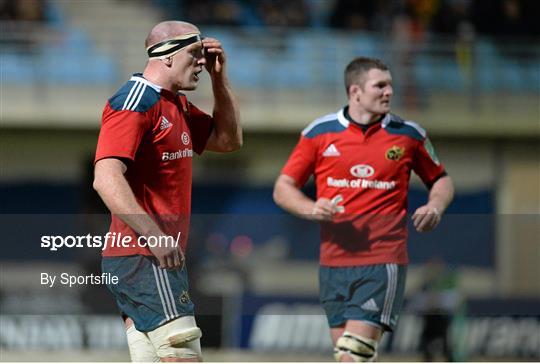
(468, 71)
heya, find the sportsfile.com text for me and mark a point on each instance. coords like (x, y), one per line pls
(55, 242)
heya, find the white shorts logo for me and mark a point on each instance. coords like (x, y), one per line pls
(362, 170)
(185, 138)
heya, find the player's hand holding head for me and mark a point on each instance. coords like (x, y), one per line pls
(215, 56)
(426, 218)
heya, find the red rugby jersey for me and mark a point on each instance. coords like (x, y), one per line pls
(370, 172)
(156, 133)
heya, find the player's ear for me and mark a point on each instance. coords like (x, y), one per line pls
(168, 61)
(354, 89)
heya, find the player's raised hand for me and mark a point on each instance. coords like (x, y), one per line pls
(426, 218)
(215, 56)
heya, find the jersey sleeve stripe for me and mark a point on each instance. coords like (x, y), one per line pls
(146, 82)
(141, 93)
(417, 127)
(318, 121)
(133, 87)
(337, 116)
(132, 95)
(135, 95)
(396, 125)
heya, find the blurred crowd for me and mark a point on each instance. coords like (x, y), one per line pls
(486, 17)
(21, 23)
(22, 10)
(489, 17)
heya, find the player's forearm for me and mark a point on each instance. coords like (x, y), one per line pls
(291, 198)
(119, 199)
(441, 194)
(226, 114)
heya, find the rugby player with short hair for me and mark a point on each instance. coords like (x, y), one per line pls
(361, 158)
(143, 173)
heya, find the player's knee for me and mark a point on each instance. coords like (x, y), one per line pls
(359, 348)
(140, 347)
(178, 339)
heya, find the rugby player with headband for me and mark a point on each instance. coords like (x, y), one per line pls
(143, 173)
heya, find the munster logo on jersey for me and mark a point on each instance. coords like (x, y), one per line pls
(395, 153)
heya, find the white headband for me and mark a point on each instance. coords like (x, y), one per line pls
(170, 47)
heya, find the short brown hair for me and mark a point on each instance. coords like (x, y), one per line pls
(358, 66)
